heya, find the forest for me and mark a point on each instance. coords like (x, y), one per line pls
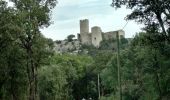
(30, 69)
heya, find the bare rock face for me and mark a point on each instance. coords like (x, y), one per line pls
(65, 46)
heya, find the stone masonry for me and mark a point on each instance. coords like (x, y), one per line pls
(96, 36)
(86, 37)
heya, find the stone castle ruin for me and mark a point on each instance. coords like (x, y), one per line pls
(96, 35)
(86, 37)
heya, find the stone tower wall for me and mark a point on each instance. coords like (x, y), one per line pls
(96, 36)
(84, 26)
(85, 37)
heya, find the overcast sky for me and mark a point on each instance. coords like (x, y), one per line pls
(67, 13)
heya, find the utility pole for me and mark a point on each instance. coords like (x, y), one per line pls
(98, 78)
(118, 67)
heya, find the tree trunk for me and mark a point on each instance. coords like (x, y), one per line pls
(157, 77)
(13, 88)
(98, 78)
(161, 23)
(31, 75)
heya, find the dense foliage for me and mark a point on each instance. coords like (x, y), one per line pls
(31, 70)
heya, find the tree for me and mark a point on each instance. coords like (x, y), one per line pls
(155, 58)
(70, 37)
(30, 16)
(148, 12)
(52, 82)
(154, 43)
(12, 73)
(63, 76)
(6, 29)
(144, 71)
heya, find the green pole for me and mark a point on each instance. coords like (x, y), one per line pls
(98, 77)
(118, 67)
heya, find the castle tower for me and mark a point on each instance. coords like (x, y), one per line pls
(84, 26)
(96, 36)
(85, 37)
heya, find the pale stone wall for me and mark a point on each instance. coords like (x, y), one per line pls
(121, 33)
(85, 38)
(84, 26)
(109, 35)
(112, 34)
(96, 36)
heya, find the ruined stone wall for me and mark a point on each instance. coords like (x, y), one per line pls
(96, 36)
(85, 38)
(109, 35)
(112, 34)
(121, 33)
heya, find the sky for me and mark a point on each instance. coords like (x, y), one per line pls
(67, 13)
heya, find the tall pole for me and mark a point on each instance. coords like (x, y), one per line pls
(118, 67)
(98, 78)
